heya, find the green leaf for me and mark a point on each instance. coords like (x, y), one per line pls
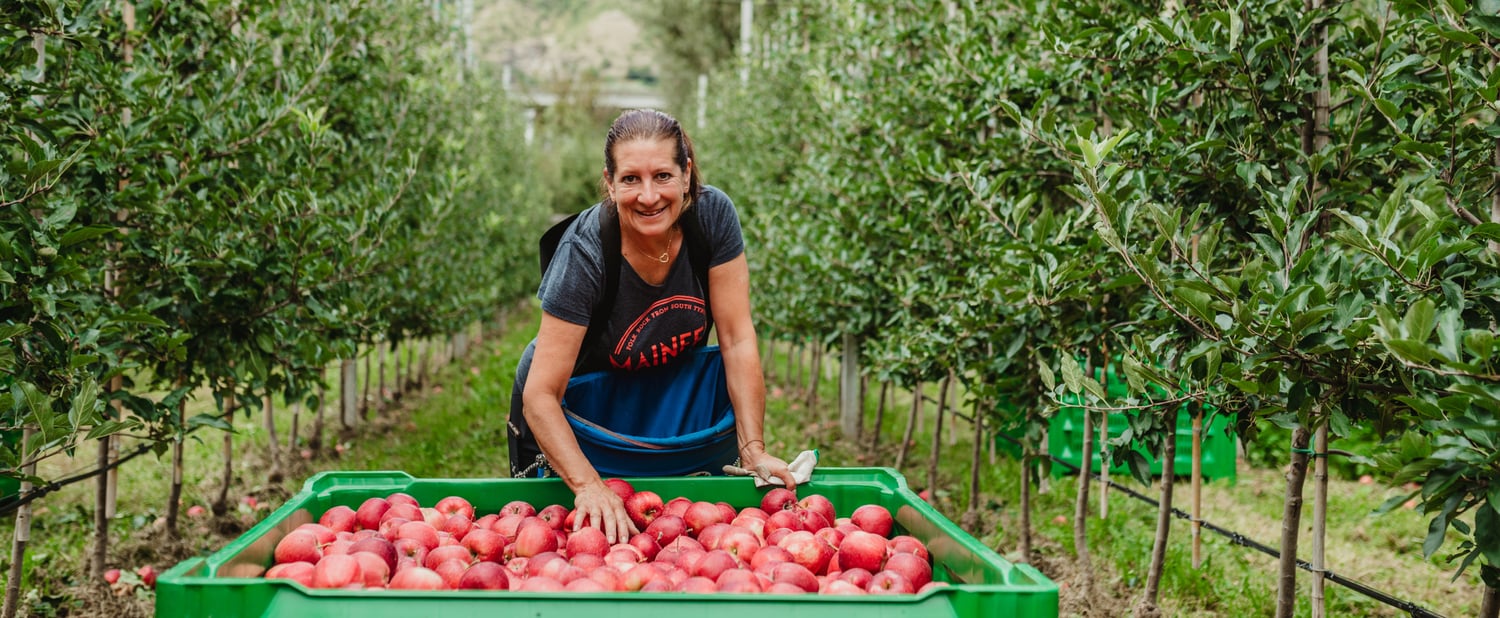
(209, 420)
(1045, 373)
(1414, 351)
(1487, 231)
(108, 428)
(1420, 319)
(1437, 529)
(1487, 532)
(1489, 23)
(1090, 155)
(1072, 373)
(8, 331)
(84, 233)
(84, 403)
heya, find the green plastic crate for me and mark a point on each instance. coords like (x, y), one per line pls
(10, 486)
(1065, 440)
(227, 583)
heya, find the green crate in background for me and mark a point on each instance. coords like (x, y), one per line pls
(10, 486)
(1065, 439)
(227, 583)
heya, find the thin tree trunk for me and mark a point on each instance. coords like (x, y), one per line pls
(272, 441)
(885, 388)
(787, 379)
(1081, 501)
(349, 393)
(974, 471)
(174, 494)
(953, 415)
(937, 436)
(364, 397)
(1044, 461)
(315, 442)
(100, 553)
(851, 389)
(1291, 522)
(1320, 518)
(220, 504)
(22, 534)
(801, 381)
(1106, 461)
(380, 381)
(1026, 504)
(816, 369)
(1490, 607)
(911, 424)
(291, 438)
(767, 351)
(1197, 486)
(1163, 527)
(422, 364)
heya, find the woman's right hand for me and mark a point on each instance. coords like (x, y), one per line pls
(595, 504)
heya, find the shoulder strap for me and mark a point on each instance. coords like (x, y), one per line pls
(696, 242)
(609, 238)
(551, 238)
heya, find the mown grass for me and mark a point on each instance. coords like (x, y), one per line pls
(456, 429)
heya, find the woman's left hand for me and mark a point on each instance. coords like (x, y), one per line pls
(768, 466)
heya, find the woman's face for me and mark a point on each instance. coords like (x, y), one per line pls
(648, 185)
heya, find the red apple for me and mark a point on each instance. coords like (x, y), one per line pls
(910, 566)
(416, 578)
(298, 546)
(446, 553)
(643, 508)
(376, 546)
(457, 525)
(420, 532)
(508, 525)
(587, 540)
(698, 585)
(783, 520)
(376, 571)
(410, 549)
(770, 554)
(554, 515)
(677, 506)
(325, 535)
(402, 498)
(534, 537)
(714, 563)
(485, 576)
(518, 507)
(338, 519)
(451, 571)
(839, 587)
(739, 581)
(487, 521)
(660, 584)
(863, 550)
(889, 582)
(336, 572)
(638, 576)
(113, 575)
(754, 511)
(832, 536)
(857, 576)
(740, 543)
(647, 545)
(585, 584)
(666, 528)
(755, 525)
(587, 562)
(808, 550)
(812, 521)
(778, 499)
(389, 527)
(709, 536)
(487, 545)
(147, 574)
(337, 547)
(774, 537)
(819, 504)
(623, 557)
(404, 511)
(300, 572)
(726, 512)
(540, 584)
(907, 544)
(791, 573)
(610, 578)
(874, 519)
(786, 588)
(621, 487)
(932, 585)
(539, 563)
(519, 568)
(196, 510)
(455, 505)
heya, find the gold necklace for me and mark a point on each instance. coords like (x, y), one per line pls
(665, 254)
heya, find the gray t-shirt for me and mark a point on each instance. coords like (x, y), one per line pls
(650, 325)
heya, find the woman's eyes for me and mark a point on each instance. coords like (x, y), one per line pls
(633, 179)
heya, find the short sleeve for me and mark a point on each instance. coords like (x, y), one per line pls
(574, 279)
(722, 226)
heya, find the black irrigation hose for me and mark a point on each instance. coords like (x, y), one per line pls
(1236, 538)
(10, 504)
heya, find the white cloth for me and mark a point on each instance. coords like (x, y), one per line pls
(801, 467)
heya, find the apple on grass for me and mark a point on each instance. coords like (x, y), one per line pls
(147, 574)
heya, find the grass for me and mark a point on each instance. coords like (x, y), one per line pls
(456, 428)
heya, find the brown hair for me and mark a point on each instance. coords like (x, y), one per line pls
(650, 124)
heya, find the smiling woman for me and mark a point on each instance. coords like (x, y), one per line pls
(619, 380)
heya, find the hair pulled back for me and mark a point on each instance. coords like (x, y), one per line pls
(652, 125)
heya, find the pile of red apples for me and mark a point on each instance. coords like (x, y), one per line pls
(783, 546)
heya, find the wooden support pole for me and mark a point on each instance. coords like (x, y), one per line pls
(1197, 486)
(850, 410)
